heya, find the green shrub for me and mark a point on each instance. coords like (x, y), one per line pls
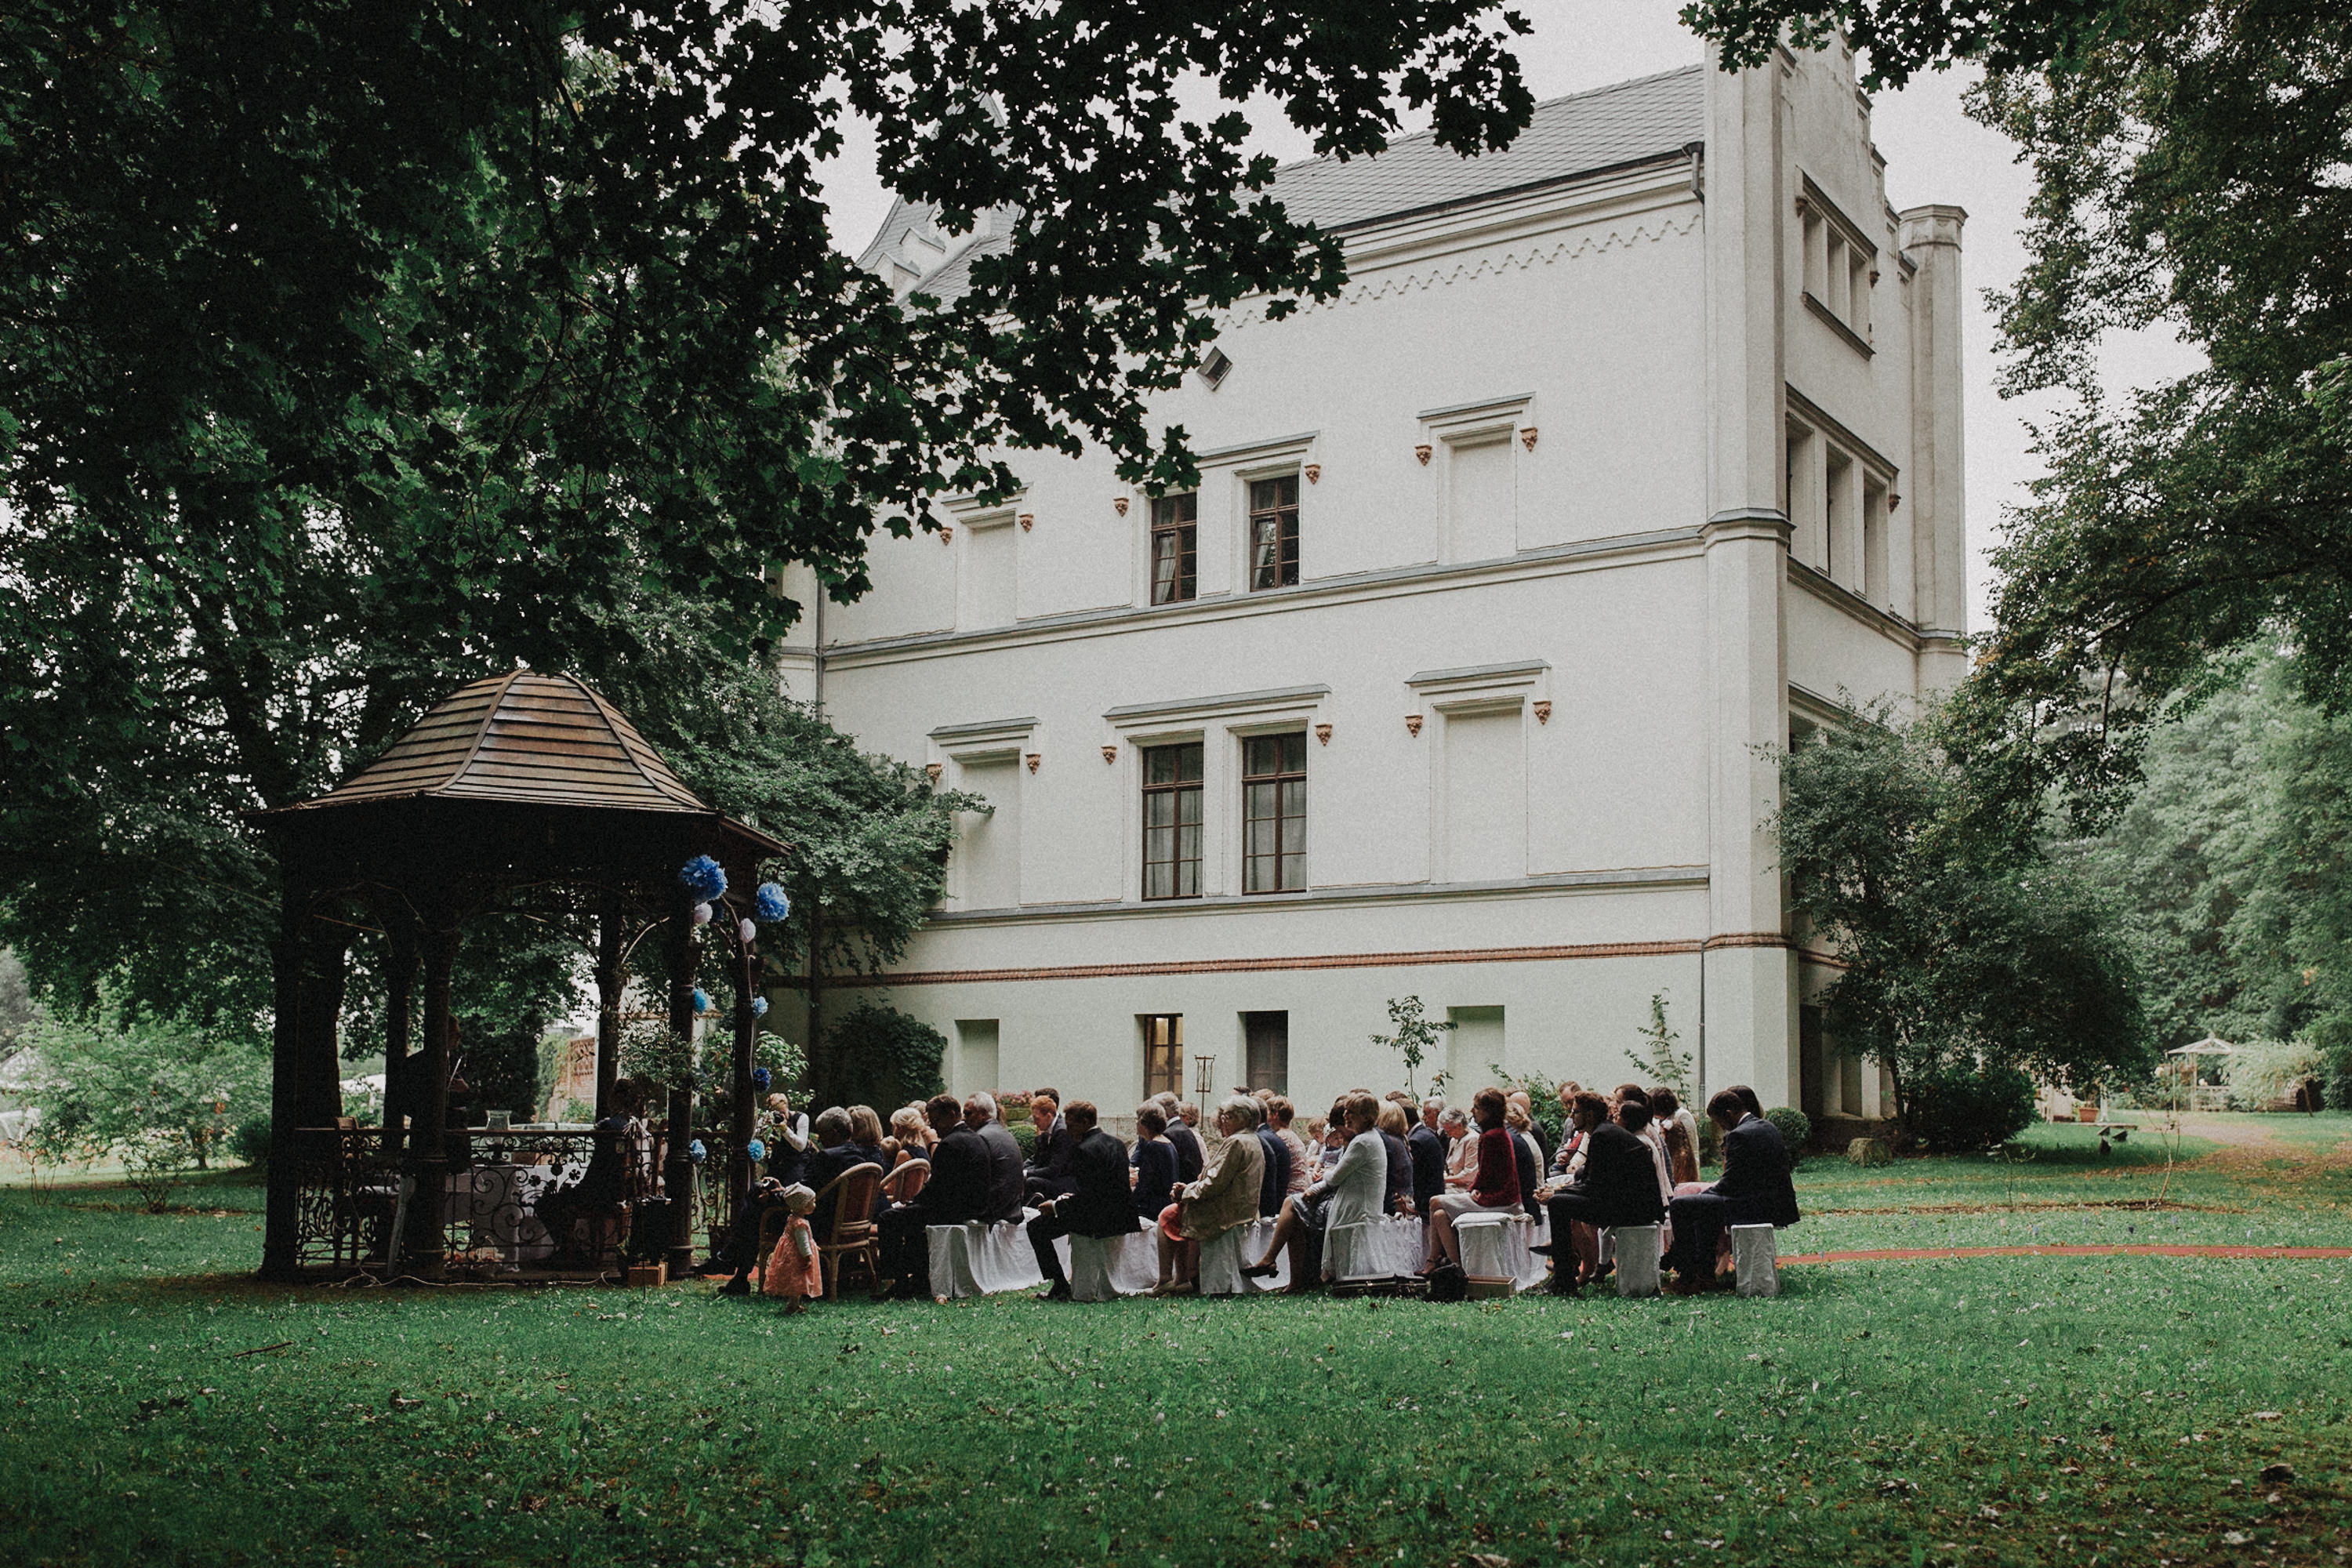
(1796, 1131)
(250, 1141)
(882, 1056)
(1963, 1111)
(1025, 1135)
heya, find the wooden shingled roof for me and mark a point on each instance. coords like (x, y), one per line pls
(522, 739)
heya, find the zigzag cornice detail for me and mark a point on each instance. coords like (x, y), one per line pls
(1403, 280)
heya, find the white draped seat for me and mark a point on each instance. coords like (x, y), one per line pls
(1756, 1253)
(1637, 1258)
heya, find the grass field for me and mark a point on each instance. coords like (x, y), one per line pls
(157, 1408)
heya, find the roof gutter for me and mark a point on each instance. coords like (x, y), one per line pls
(1648, 160)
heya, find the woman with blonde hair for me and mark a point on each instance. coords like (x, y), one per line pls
(1226, 1197)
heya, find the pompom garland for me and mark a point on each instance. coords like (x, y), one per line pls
(697, 1152)
(703, 877)
(761, 1078)
(747, 931)
(702, 914)
(759, 1007)
(757, 1150)
(701, 1000)
(771, 904)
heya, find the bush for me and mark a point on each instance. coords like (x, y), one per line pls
(1796, 1131)
(250, 1141)
(882, 1056)
(1025, 1135)
(2265, 1072)
(1961, 1110)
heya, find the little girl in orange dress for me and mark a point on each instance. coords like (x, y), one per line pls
(793, 1272)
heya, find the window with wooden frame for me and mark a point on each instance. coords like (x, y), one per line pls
(1273, 814)
(1163, 1053)
(1175, 548)
(1273, 533)
(1171, 821)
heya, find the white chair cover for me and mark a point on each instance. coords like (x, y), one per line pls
(1088, 1267)
(1353, 1252)
(1637, 1258)
(1485, 1245)
(977, 1259)
(1756, 1253)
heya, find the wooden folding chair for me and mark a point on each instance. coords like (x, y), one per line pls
(847, 1229)
(902, 1184)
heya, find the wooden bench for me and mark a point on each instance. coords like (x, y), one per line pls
(2120, 1132)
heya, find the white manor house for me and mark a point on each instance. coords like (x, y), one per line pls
(1623, 454)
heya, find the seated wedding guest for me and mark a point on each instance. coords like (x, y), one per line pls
(1046, 1173)
(1274, 1185)
(1680, 1133)
(1427, 1145)
(1346, 1193)
(957, 1192)
(1397, 1196)
(1154, 1161)
(1007, 1184)
(866, 1137)
(1190, 1114)
(1224, 1198)
(1316, 1126)
(1754, 1189)
(1495, 1189)
(1528, 1153)
(1191, 1156)
(836, 1153)
(1533, 1128)
(1747, 1098)
(1099, 1202)
(1281, 1112)
(1619, 1185)
(619, 1171)
(907, 1131)
(1461, 1149)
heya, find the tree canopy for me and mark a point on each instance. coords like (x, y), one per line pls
(1963, 947)
(1903, 37)
(350, 351)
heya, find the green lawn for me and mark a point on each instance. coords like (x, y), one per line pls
(2001, 1410)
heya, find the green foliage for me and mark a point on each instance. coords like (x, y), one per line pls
(1954, 1109)
(344, 362)
(1795, 1129)
(1416, 1034)
(16, 1002)
(1903, 37)
(2266, 1071)
(1543, 1096)
(2186, 181)
(1963, 944)
(885, 1057)
(249, 1141)
(161, 1095)
(1024, 1132)
(1658, 1061)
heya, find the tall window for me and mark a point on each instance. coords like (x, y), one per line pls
(1175, 548)
(1266, 1042)
(1171, 821)
(1274, 813)
(1273, 533)
(1163, 1053)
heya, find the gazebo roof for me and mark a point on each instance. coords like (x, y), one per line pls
(524, 739)
(532, 771)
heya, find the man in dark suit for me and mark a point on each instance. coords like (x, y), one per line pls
(1046, 1173)
(1096, 1203)
(956, 1192)
(1007, 1183)
(1619, 1185)
(1191, 1158)
(1274, 1185)
(1426, 1145)
(1396, 1196)
(1754, 1189)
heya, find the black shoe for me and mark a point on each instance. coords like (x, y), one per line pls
(1541, 1249)
(1260, 1270)
(1060, 1292)
(739, 1286)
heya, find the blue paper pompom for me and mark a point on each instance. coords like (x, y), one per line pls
(771, 903)
(757, 1150)
(701, 1000)
(759, 1080)
(697, 1152)
(703, 878)
(759, 1007)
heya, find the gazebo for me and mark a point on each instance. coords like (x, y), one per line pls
(519, 790)
(2191, 1056)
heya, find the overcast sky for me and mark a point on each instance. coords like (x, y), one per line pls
(1934, 153)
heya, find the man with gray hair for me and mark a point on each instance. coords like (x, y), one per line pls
(1007, 1183)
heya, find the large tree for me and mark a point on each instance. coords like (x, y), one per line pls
(351, 348)
(1963, 945)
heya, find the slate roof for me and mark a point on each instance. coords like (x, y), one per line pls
(1583, 133)
(526, 740)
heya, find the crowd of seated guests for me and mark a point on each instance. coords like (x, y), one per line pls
(1629, 1157)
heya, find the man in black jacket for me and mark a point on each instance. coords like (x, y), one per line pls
(1007, 1184)
(1619, 1185)
(1191, 1158)
(1754, 1189)
(1426, 1145)
(1274, 1185)
(956, 1192)
(1098, 1204)
(1046, 1173)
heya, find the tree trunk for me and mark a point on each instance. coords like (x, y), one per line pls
(282, 1239)
(678, 1168)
